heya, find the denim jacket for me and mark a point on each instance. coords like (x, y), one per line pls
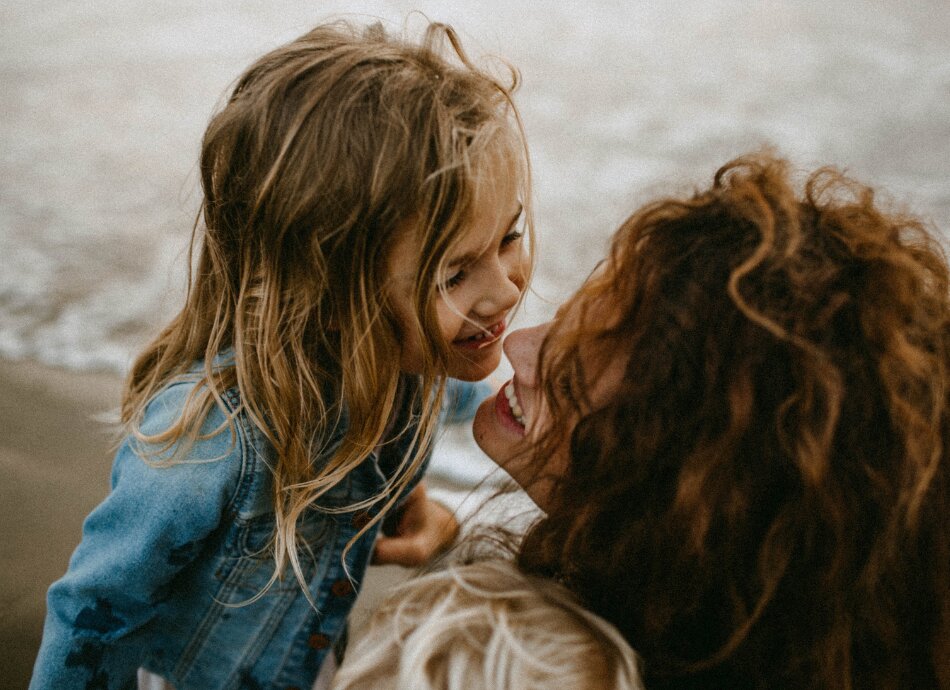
(168, 564)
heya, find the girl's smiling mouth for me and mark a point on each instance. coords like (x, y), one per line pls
(483, 338)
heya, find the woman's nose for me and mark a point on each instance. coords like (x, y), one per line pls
(522, 348)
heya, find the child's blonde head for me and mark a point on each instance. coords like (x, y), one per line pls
(486, 626)
(327, 150)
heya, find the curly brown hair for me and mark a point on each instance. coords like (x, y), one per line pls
(763, 500)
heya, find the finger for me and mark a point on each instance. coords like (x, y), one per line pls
(408, 552)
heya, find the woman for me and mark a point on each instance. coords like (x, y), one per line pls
(738, 428)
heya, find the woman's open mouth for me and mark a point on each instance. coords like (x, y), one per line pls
(509, 410)
(483, 338)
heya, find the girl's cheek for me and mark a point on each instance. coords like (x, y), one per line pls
(449, 321)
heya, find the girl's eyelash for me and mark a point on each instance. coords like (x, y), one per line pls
(512, 236)
(454, 280)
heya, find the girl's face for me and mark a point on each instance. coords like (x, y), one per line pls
(483, 281)
(507, 426)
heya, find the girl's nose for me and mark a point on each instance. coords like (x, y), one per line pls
(503, 289)
(522, 348)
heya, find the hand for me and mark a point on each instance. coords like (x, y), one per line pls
(423, 529)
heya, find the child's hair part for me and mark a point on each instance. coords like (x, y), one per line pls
(486, 626)
(328, 148)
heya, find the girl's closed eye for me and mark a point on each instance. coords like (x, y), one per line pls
(514, 233)
(459, 276)
(511, 238)
(454, 280)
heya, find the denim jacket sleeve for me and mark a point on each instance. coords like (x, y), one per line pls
(150, 527)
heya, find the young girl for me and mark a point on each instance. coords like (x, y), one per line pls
(360, 243)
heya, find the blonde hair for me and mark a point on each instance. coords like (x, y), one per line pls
(328, 148)
(486, 625)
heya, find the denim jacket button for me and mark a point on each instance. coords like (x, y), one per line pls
(342, 588)
(318, 641)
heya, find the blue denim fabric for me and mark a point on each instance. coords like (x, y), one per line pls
(462, 400)
(168, 559)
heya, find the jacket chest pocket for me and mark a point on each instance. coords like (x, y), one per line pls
(249, 567)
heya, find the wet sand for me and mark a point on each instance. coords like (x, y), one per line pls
(55, 461)
(54, 468)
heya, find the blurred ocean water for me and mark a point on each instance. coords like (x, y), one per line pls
(104, 105)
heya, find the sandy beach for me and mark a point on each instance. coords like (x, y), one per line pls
(55, 460)
(54, 468)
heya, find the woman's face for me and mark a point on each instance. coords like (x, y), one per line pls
(508, 426)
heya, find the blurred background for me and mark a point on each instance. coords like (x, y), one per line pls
(104, 105)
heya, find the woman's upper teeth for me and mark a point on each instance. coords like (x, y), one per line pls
(513, 402)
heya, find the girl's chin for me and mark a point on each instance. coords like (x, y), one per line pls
(475, 366)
